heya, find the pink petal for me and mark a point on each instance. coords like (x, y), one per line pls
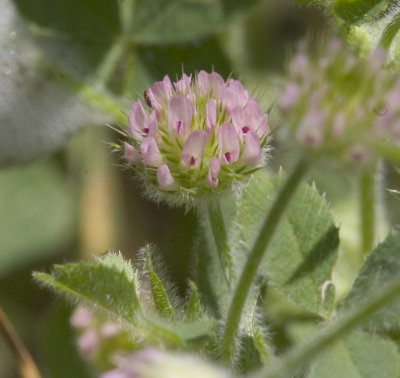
(109, 329)
(396, 131)
(213, 172)
(392, 98)
(262, 126)
(234, 95)
(160, 92)
(209, 83)
(211, 115)
(182, 86)
(88, 341)
(132, 154)
(137, 117)
(150, 153)
(151, 125)
(251, 152)
(253, 109)
(228, 143)
(309, 131)
(165, 179)
(180, 115)
(338, 125)
(298, 66)
(82, 317)
(239, 120)
(118, 373)
(193, 148)
(289, 96)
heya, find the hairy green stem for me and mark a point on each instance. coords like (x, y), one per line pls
(221, 238)
(367, 209)
(250, 269)
(305, 353)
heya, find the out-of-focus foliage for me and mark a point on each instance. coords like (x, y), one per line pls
(368, 23)
(67, 65)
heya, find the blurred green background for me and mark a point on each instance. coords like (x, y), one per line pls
(69, 67)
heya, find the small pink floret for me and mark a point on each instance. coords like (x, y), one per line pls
(228, 143)
(165, 179)
(150, 153)
(131, 154)
(180, 114)
(213, 172)
(193, 148)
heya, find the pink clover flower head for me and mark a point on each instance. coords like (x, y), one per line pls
(95, 335)
(338, 104)
(194, 137)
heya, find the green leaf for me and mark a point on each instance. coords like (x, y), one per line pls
(88, 26)
(359, 11)
(194, 310)
(254, 349)
(301, 257)
(359, 355)
(370, 23)
(38, 215)
(111, 284)
(381, 266)
(158, 290)
(162, 21)
(172, 21)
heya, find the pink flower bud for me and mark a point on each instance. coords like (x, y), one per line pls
(183, 86)
(82, 317)
(193, 148)
(180, 115)
(251, 152)
(289, 96)
(211, 115)
(132, 154)
(159, 93)
(228, 143)
(150, 153)
(165, 179)
(88, 341)
(213, 172)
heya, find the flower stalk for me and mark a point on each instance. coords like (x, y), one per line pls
(258, 251)
(367, 209)
(25, 362)
(221, 239)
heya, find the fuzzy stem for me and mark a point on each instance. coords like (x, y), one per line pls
(305, 353)
(367, 209)
(26, 364)
(250, 269)
(221, 238)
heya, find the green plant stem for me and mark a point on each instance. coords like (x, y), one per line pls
(367, 209)
(387, 150)
(305, 353)
(250, 269)
(92, 96)
(221, 238)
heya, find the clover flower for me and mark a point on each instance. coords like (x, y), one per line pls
(339, 104)
(97, 337)
(194, 137)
